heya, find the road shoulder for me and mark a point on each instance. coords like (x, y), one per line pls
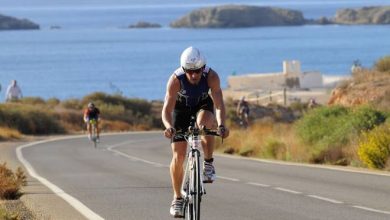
(37, 199)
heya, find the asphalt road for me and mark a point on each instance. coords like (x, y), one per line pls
(127, 177)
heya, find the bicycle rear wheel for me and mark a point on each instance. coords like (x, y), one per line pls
(94, 135)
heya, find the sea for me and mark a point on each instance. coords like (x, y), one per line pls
(91, 49)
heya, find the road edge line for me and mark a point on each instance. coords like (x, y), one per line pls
(76, 204)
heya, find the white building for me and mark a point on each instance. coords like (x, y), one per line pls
(291, 78)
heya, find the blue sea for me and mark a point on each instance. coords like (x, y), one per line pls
(94, 51)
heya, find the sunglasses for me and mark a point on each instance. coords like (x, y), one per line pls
(197, 71)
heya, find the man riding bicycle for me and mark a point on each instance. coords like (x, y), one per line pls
(192, 90)
(92, 113)
(243, 112)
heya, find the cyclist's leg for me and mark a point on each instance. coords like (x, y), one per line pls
(181, 119)
(207, 119)
(97, 128)
(179, 150)
(89, 128)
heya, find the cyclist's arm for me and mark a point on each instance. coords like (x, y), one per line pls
(216, 95)
(85, 117)
(173, 87)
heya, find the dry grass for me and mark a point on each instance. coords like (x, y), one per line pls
(266, 140)
(11, 182)
(9, 134)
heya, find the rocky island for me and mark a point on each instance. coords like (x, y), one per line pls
(144, 24)
(236, 16)
(365, 15)
(11, 23)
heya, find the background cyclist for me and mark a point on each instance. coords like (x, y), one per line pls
(192, 90)
(91, 112)
(243, 112)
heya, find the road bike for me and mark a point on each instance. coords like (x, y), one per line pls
(92, 122)
(192, 187)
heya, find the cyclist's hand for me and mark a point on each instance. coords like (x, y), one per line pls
(169, 132)
(223, 131)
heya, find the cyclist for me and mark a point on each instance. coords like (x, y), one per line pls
(192, 90)
(91, 112)
(243, 112)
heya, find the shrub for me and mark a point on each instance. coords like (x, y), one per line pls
(10, 182)
(383, 64)
(329, 129)
(32, 101)
(374, 147)
(275, 149)
(366, 118)
(9, 133)
(72, 104)
(29, 119)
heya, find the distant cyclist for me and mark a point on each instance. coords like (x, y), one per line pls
(192, 90)
(243, 112)
(92, 113)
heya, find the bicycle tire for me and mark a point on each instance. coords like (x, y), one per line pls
(94, 135)
(197, 188)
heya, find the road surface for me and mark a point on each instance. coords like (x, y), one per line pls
(127, 177)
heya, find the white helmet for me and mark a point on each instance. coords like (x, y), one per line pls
(191, 59)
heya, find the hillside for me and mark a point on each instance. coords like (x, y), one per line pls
(367, 86)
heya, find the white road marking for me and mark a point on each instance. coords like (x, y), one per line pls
(228, 178)
(80, 207)
(111, 148)
(287, 190)
(326, 167)
(371, 210)
(325, 199)
(257, 184)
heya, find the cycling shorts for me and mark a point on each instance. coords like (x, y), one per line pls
(182, 116)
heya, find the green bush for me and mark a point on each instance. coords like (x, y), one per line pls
(383, 64)
(275, 149)
(327, 128)
(374, 147)
(366, 118)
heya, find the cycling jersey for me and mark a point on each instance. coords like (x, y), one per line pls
(190, 100)
(91, 113)
(191, 95)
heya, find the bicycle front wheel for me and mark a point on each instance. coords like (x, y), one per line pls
(196, 189)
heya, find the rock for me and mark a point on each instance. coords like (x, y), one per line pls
(236, 16)
(11, 23)
(365, 15)
(366, 87)
(143, 24)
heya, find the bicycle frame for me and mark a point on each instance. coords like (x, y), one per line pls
(192, 187)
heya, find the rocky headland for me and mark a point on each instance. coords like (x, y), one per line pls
(235, 16)
(365, 15)
(11, 23)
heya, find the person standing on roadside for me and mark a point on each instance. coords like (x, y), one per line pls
(13, 92)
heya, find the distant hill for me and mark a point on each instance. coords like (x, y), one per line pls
(11, 23)
(235, 16)
(365, 15)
